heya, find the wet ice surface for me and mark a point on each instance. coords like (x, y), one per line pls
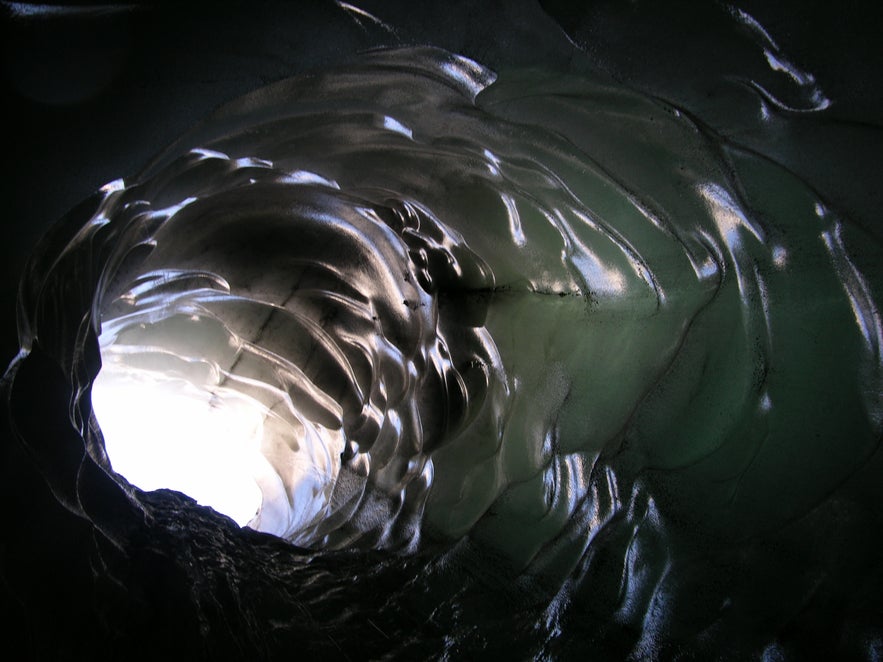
(571, 368)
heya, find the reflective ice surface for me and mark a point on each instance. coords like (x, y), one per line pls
(543, 353)
(485, 282)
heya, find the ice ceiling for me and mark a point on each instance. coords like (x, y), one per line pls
(505, 358)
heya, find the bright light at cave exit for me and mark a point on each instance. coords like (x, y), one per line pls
(165, 432)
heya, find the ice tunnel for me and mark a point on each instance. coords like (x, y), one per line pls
(383, 335)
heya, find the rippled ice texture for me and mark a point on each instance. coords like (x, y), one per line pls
(558, 340)
(487, 283)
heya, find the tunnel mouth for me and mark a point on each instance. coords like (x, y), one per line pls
(270, 344)
(177, 411)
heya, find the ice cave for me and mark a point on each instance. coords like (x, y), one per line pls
(371, 331)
